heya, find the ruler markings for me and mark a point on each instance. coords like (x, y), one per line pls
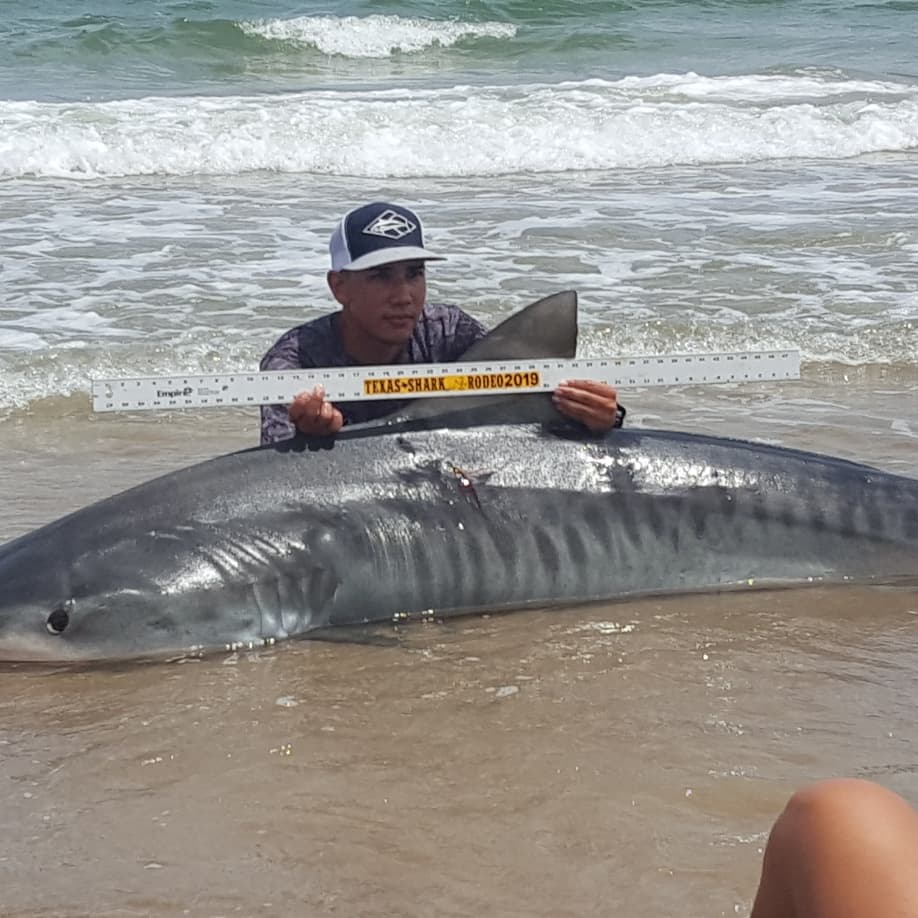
(437, 380)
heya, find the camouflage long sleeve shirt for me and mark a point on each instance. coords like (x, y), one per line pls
(443, 334)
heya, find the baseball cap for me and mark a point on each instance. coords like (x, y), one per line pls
(377, 234)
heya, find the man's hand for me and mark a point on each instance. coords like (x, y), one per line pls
(313, 415)
(594, 404)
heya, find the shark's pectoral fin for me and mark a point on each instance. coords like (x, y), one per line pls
(364, 635)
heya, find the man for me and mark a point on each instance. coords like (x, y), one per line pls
(377, 275)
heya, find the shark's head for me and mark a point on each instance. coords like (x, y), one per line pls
(66, 595)
(54, 605)
(58, 627)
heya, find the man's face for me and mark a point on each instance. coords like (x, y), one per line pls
(382, 303)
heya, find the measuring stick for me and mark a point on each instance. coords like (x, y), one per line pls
(347, 384)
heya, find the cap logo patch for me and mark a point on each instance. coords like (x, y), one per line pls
(390, 225)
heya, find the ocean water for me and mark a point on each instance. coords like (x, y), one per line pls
(705, 174)
(708, 175)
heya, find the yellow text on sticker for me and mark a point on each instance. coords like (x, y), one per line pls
(464, 382)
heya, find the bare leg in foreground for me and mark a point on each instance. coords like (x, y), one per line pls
(841, 849)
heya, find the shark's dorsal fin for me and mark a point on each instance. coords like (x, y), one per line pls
(546, 328)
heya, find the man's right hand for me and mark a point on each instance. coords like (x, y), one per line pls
(313, 415)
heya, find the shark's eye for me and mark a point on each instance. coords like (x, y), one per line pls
(58, 620)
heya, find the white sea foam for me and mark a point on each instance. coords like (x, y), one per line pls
(463, 131)
(373, 36)
(805, 85)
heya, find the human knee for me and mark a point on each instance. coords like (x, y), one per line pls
(840, 797)
(843, 846)
(825, 798)
(843, 808)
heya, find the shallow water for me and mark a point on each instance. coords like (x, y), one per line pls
(626, 759)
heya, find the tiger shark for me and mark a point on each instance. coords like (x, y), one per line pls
(451, 507)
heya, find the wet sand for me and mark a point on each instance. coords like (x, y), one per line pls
(616, 760)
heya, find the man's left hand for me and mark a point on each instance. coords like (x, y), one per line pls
(593, 404)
